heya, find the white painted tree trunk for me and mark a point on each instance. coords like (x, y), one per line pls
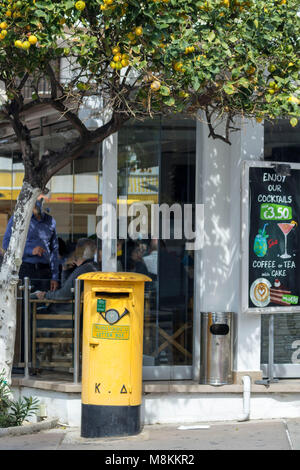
(9, 275)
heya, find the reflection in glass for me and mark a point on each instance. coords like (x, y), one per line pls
(286, 338)
(281, 141)
(6, 189)
(75, 193)
(156, 165)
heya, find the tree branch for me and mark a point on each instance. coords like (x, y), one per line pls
(52, 162)
(24, 138)
(212, 132)
(57, 102)
(55, 85)
(70, 116)
(22, 82)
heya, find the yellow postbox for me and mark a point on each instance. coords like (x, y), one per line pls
(112, 353)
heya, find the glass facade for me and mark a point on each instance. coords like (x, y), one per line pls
(156, 165)
(75, 193)
(282, 144)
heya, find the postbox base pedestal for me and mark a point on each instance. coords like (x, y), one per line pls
(110, 421)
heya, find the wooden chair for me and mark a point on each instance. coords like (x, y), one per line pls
(56, 334)
(173, 341)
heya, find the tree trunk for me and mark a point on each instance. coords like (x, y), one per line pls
(9, 275)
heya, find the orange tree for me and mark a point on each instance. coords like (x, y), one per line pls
(142, 57)
(231, 57)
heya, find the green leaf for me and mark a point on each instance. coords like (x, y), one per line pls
(170, 101)
(235, 72)
(69, 4)
(229, 89)
(195, 83)
(165, 91)
(41, 14)
(243, 82)
(211, 36)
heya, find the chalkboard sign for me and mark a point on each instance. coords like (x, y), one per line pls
(271, 239)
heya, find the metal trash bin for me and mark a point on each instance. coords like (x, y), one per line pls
(216, 348)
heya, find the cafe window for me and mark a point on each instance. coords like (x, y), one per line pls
(282, 144)
(156, 165)
(75, 191)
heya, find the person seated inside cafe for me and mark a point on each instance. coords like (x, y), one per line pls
(83, 259)
(70, 263)
(136, 263)
(82, 262)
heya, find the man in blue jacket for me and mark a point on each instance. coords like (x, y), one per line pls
(40, 259)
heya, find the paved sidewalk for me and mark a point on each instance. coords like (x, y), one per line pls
(279, 434)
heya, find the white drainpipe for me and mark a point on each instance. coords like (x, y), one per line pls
(246, 398)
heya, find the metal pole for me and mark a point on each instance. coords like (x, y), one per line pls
(270, 379)
(27, 288)
(271, 347)
(77, 308)
(271, 350)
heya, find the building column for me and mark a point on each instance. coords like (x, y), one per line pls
(218, 264)
(109, 198)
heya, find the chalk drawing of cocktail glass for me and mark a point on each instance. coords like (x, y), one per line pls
(285, 228)
(260, 243)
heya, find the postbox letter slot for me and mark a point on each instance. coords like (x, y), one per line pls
(113, 295)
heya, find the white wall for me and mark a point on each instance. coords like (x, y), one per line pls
(218, 265)
(179, 408)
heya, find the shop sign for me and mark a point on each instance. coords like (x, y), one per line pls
(271, 237)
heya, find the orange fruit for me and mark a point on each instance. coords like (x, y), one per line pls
(26, 45)
(80, 5)
(155, 86)
(138, 31)
(32, 39)
(117, 57)
(293, 122)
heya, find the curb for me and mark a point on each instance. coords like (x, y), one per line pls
(29, 428)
